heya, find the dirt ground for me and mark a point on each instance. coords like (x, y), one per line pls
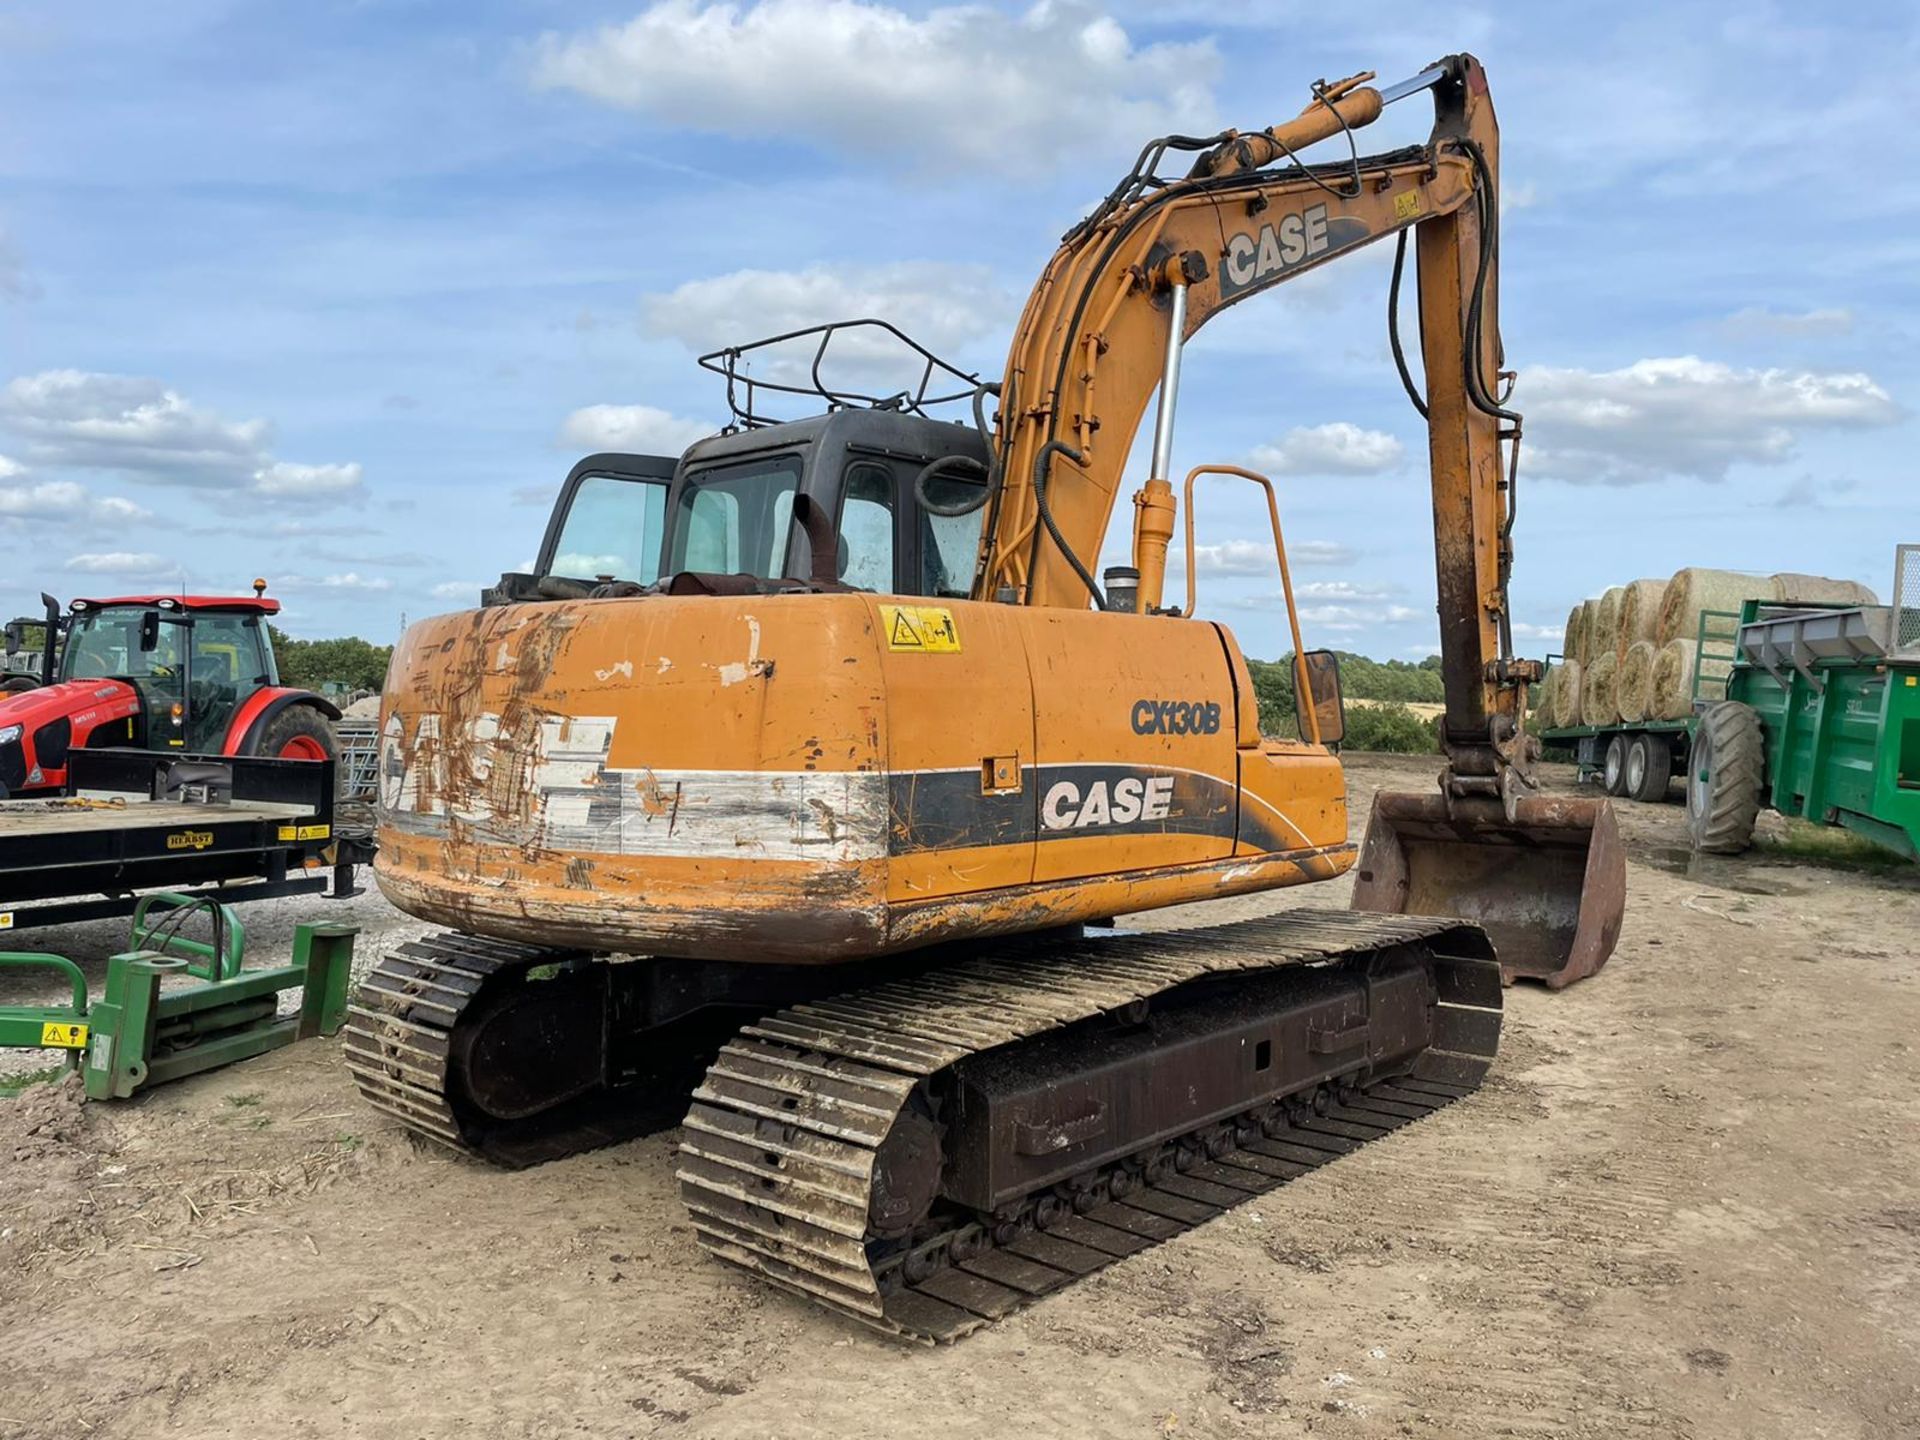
(1686, 1204)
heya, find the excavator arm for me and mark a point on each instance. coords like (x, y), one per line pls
(1101, 336)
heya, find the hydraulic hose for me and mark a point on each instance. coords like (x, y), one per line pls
(1040, 464)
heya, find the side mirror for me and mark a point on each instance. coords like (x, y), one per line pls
(13, 637)
(1316, 683)
(149, 631)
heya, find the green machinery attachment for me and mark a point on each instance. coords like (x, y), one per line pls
(143, 1031)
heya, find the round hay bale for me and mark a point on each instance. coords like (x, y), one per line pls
(1794, 589)
(1598, 704)
(1673, 667)
(1570, 638)
(1541, 697)
(1633, 682)
(1640, 612)
(1603, 626)
(1566, 696)
(1692, 590)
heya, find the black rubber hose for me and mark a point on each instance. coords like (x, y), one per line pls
(1393, 326)
(1040, 463)
(963, 464)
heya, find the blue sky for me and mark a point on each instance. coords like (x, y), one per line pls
(334, 293)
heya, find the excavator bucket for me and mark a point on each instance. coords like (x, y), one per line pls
(1549, 886)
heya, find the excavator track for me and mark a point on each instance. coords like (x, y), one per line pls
(808, 1119)
(402, 1044)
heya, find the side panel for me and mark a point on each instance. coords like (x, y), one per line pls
(960, 748)
(1135, 729)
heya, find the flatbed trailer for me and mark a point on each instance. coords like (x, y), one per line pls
(231, 828)
(1638, 759)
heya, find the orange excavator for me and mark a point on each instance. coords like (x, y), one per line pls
(800, 765)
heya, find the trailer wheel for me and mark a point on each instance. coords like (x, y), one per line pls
(1724, 778)
(1613, 772)
(299, 732)
(1649, 767)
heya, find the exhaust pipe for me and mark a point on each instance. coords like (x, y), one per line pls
(1548, 883)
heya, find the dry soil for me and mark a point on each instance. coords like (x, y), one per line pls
(1686, 1204)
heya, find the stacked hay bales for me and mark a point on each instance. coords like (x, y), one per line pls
(1632, 654)
(1633, 683)
(1598, 703)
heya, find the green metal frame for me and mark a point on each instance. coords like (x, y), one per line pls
(139, 1033)
(1845, 752)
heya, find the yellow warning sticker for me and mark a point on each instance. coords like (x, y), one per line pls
(1406, 205)
(306, 832)
(6, 919)
(62, 1036)
(926, 628)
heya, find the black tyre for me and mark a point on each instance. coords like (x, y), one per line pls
(1724, 778)
(299, 732)
(18, 684)
(1649, 768)
(1613, 770)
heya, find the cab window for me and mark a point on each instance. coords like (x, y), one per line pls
(735, 519)
(613, 527)
(866, 529)
(950, 544)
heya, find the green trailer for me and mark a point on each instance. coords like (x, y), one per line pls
(1821, 720)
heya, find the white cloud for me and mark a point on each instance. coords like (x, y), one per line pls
(1342, 590)
(10, 468)
(963, 83)
(1321, 552)
(123, 422)
(120, 562)
(1682, 417)
(45, 499)
(636, 429)
(1552, 633)
(350, 580)
(285, 480)
(1758, 322)
(115, 508)
(457, 590)
(1336, 448)
(79, 419)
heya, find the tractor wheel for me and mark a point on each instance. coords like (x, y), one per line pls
(1724, 777)
(1613, 772)
(1649, 768)
(299, 732)
(18, 684)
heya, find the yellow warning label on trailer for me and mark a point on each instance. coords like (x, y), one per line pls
(927, 628)
(1407, 205)
(62, 1036)
(6, 919)
(306, 832)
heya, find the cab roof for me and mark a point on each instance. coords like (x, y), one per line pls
(257, 604)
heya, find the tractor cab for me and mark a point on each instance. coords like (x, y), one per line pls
(876, 494)
(191, 660)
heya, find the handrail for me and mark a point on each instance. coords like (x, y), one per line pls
(1303, 685)
(25, 959)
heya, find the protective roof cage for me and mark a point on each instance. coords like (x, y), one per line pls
(747, 393)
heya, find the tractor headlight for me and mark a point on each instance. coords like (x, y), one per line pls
(9, 734)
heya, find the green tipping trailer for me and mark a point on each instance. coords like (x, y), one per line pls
(1638, 759)
(1821, 720)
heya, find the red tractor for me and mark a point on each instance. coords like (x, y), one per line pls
(187, 673)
